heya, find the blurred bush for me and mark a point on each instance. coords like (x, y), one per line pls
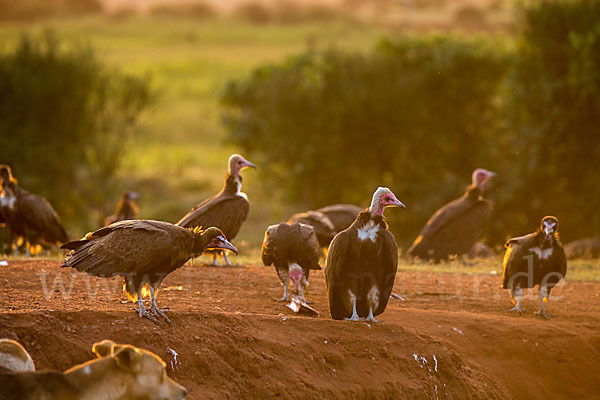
(419, 114)
(416, 114)
(197, 10)
(65, 121)
(553, 114)
(29, 10)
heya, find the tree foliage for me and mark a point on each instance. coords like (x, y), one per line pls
(64, 122)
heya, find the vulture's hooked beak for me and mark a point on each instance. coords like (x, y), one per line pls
(220, 243)
(248, 164)
(396, 203)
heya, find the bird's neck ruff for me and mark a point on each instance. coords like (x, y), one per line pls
(366, 216)
(233, 184)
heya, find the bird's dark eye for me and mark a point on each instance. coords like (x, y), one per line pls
(386, 198)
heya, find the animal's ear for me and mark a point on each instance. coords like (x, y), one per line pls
(128, 358)
(103, 348)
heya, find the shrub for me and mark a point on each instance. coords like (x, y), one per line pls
(65, 120)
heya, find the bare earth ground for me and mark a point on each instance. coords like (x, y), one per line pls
(234, 341)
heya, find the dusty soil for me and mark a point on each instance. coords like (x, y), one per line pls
(450, 339)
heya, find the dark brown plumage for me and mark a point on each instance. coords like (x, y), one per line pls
(126, 209)
(455, 227)
(534, 259)
(361, 263)
(28, 215)
(341, 215)
(323, 227)
(294, 250)
(228, 209)
(583, 248)
(143, 252)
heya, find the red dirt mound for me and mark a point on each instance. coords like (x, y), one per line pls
(234, 341)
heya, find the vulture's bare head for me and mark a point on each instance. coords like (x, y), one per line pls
(382, 198)
(6, 174)
(238, 163)
(295, 272)
(549, 227)
(211, 239)
(130, 196)
(480, 176)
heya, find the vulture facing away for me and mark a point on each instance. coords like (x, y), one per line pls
(583, 248)
(341, 215)
(126, 209)
(227, 210)
(143, 252)
(294, 250)
(454, 228)
(362, 263)
(323, 227)
(28, 215)
(534, 259)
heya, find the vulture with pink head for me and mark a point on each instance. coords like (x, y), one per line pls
(362, 263)
(227, 210)
(28, 215)
(454, 228)
(294, 250)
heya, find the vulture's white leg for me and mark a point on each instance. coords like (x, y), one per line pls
(15, 246)
(28, 248)
(370, 317)
(155, 308)
(227, 262)
(215, 263)
(142, 311)
(354, 316)
(373, 299)
(518, 293)
(543, 298)
(285, 297)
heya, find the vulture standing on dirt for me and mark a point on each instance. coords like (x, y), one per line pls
(126, 208)
(534, 259)
(341, 215)
(323, 227)
(28, 215)
(227, 210)
(294, 250)
(143, 252)
(454, 228)
(362, 263)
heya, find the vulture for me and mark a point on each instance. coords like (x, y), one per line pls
(361, 263)
(534, 259)
(143, 252)
(227, 210)
(583, 248)
(294, 250)
(341, 215)
(454, 228)
(28, 215)
(126, 208)
(321, 224)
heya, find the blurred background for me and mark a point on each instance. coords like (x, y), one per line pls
(329, 98)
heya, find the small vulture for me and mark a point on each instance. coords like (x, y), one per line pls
(341, 215)
(362, 263)
(583, 248)
(126, 208)
(534, 259)
(28, 215)
(322, 225)
(454, 228)
(227, 210)
(294, 250)
(143, 252)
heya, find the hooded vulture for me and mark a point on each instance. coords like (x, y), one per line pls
(294, 250)
(227, 210)
(126, 209)
(143, 252)
(321, 224)
(534, 259)
(362, 263)
(454, 228)
(341, 215)
(27, 215)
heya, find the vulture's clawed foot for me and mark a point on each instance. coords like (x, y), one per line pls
(354, 318)
(542, 313)
(158, 312)
(143, 313)
(372, 319)
(283, 299)
(517, 308)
